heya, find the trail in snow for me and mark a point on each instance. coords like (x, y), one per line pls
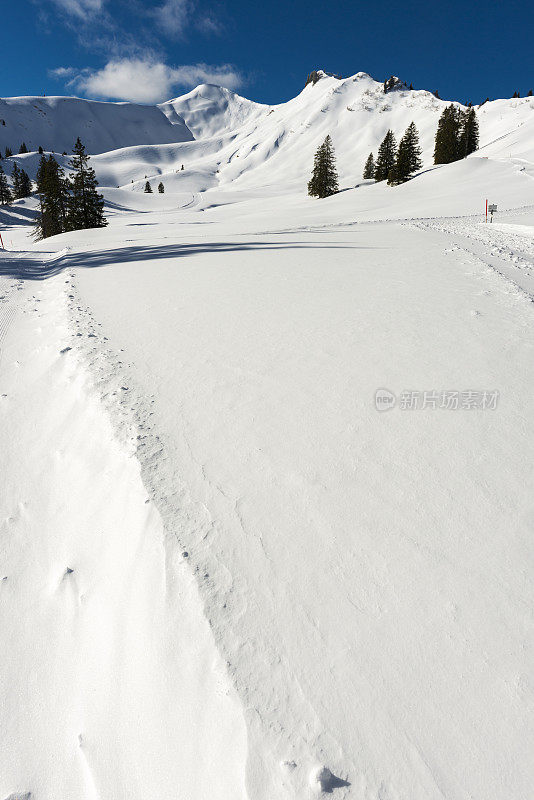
(111, 683)
(316, 527)
(506, 248)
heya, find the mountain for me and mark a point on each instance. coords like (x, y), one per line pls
(54, 123)
(223, 139)
(210, 110)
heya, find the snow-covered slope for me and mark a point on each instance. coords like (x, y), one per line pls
(54, 123)
(225, 575)
(224, 140)
(209, 110)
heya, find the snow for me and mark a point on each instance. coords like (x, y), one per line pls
(54, 123)
(277, 591)
(115, 684)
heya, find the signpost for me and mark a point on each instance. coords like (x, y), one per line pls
(492, 208)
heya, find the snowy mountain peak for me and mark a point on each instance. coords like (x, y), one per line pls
(316, 75)
(209, 110)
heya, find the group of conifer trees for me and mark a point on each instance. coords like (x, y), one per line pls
(67, 204)
(395, 164)
(8, 152)
(457, 135)
(456, 138)
(148, 187)
(21, 185)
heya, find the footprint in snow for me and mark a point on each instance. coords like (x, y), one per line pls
(323, 780)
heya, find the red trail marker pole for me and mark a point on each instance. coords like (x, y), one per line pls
(486, 209)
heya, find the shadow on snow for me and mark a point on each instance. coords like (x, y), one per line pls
(29, 268)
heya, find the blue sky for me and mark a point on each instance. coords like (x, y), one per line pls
(152, 51)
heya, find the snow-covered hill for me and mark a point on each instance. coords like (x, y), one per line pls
(54, 123)
(210, 110)
(223, 139)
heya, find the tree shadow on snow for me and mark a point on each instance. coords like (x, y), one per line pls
(29, 268)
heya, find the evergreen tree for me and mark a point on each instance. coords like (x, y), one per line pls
(387, 153)
(9, 152)
(148, 188)
(161, 188)
(447, 146)
(323, 182)
(25, 189)
(52, 191)
(408, 158)
(85, 205)
(23, 148)
(41, 151)
(5, 192)
(369, 169)
(15, 181)
(529, 93)
(394, 175)
(469, 133)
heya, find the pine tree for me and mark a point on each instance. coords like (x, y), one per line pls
(529, 93)
(5, 192)
(161, 188)
(52, 191)
(15, 181)
(22, 186)
(41, 151)
(148, 188)
(469, 133)
(447, 146)
(85, 206)
(23, 148)
(394, 176)
(369, 169)
(323, 182)
(25, 184)
(387, 153)
(408, 158)
(9, 152)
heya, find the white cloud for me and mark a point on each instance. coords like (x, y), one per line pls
(209, 25)
(63, 73)
(80, 8)
(173, 16)
(145, 81)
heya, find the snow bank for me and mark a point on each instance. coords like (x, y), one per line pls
(111, 683)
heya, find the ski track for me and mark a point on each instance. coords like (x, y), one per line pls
(507, 252)
(8, 307)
